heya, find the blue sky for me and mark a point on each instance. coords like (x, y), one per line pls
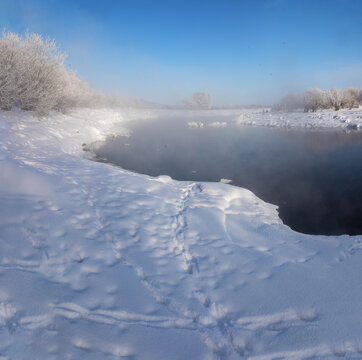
(241, 52)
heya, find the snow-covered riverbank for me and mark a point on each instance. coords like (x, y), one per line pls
(344, 119)
(100, 263)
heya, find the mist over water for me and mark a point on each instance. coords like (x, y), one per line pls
(315, 177)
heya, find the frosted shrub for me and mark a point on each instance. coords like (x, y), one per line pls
(74, 92)
(8, 59)
(315, 99)
(38, 74)
(351, 98)
(33, 75)
(336, 99)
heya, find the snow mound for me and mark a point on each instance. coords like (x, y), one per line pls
(194, 124)
(217, 124)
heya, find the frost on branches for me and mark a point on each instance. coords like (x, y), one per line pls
(318, 99)
(33, 75)
(336, 99)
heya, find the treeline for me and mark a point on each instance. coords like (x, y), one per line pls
(318, 99)
(33, 76)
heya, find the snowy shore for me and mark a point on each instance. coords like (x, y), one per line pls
(100, 263)
(343, 119)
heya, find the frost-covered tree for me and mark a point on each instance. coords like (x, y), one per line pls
(351, 98)
(315, 99)
(199, 100)
(8, 59)
(202, 100)
(39, 74)
(33, 75)
(336, 99)
(343, 99)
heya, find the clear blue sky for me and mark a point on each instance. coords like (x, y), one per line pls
(240, 52)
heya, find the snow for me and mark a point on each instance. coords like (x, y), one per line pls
(348, 119)
(100, 263)
(193, 124)
(217, 124)
(342, 119)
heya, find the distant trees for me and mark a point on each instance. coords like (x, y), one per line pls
(336, 99)
(199, 100)
(316, 99)
(202, 100)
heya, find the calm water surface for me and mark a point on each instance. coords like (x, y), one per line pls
(315, 177)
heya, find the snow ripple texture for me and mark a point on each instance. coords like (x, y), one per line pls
(100, 263)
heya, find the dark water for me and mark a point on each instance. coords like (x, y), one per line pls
(315, 177)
